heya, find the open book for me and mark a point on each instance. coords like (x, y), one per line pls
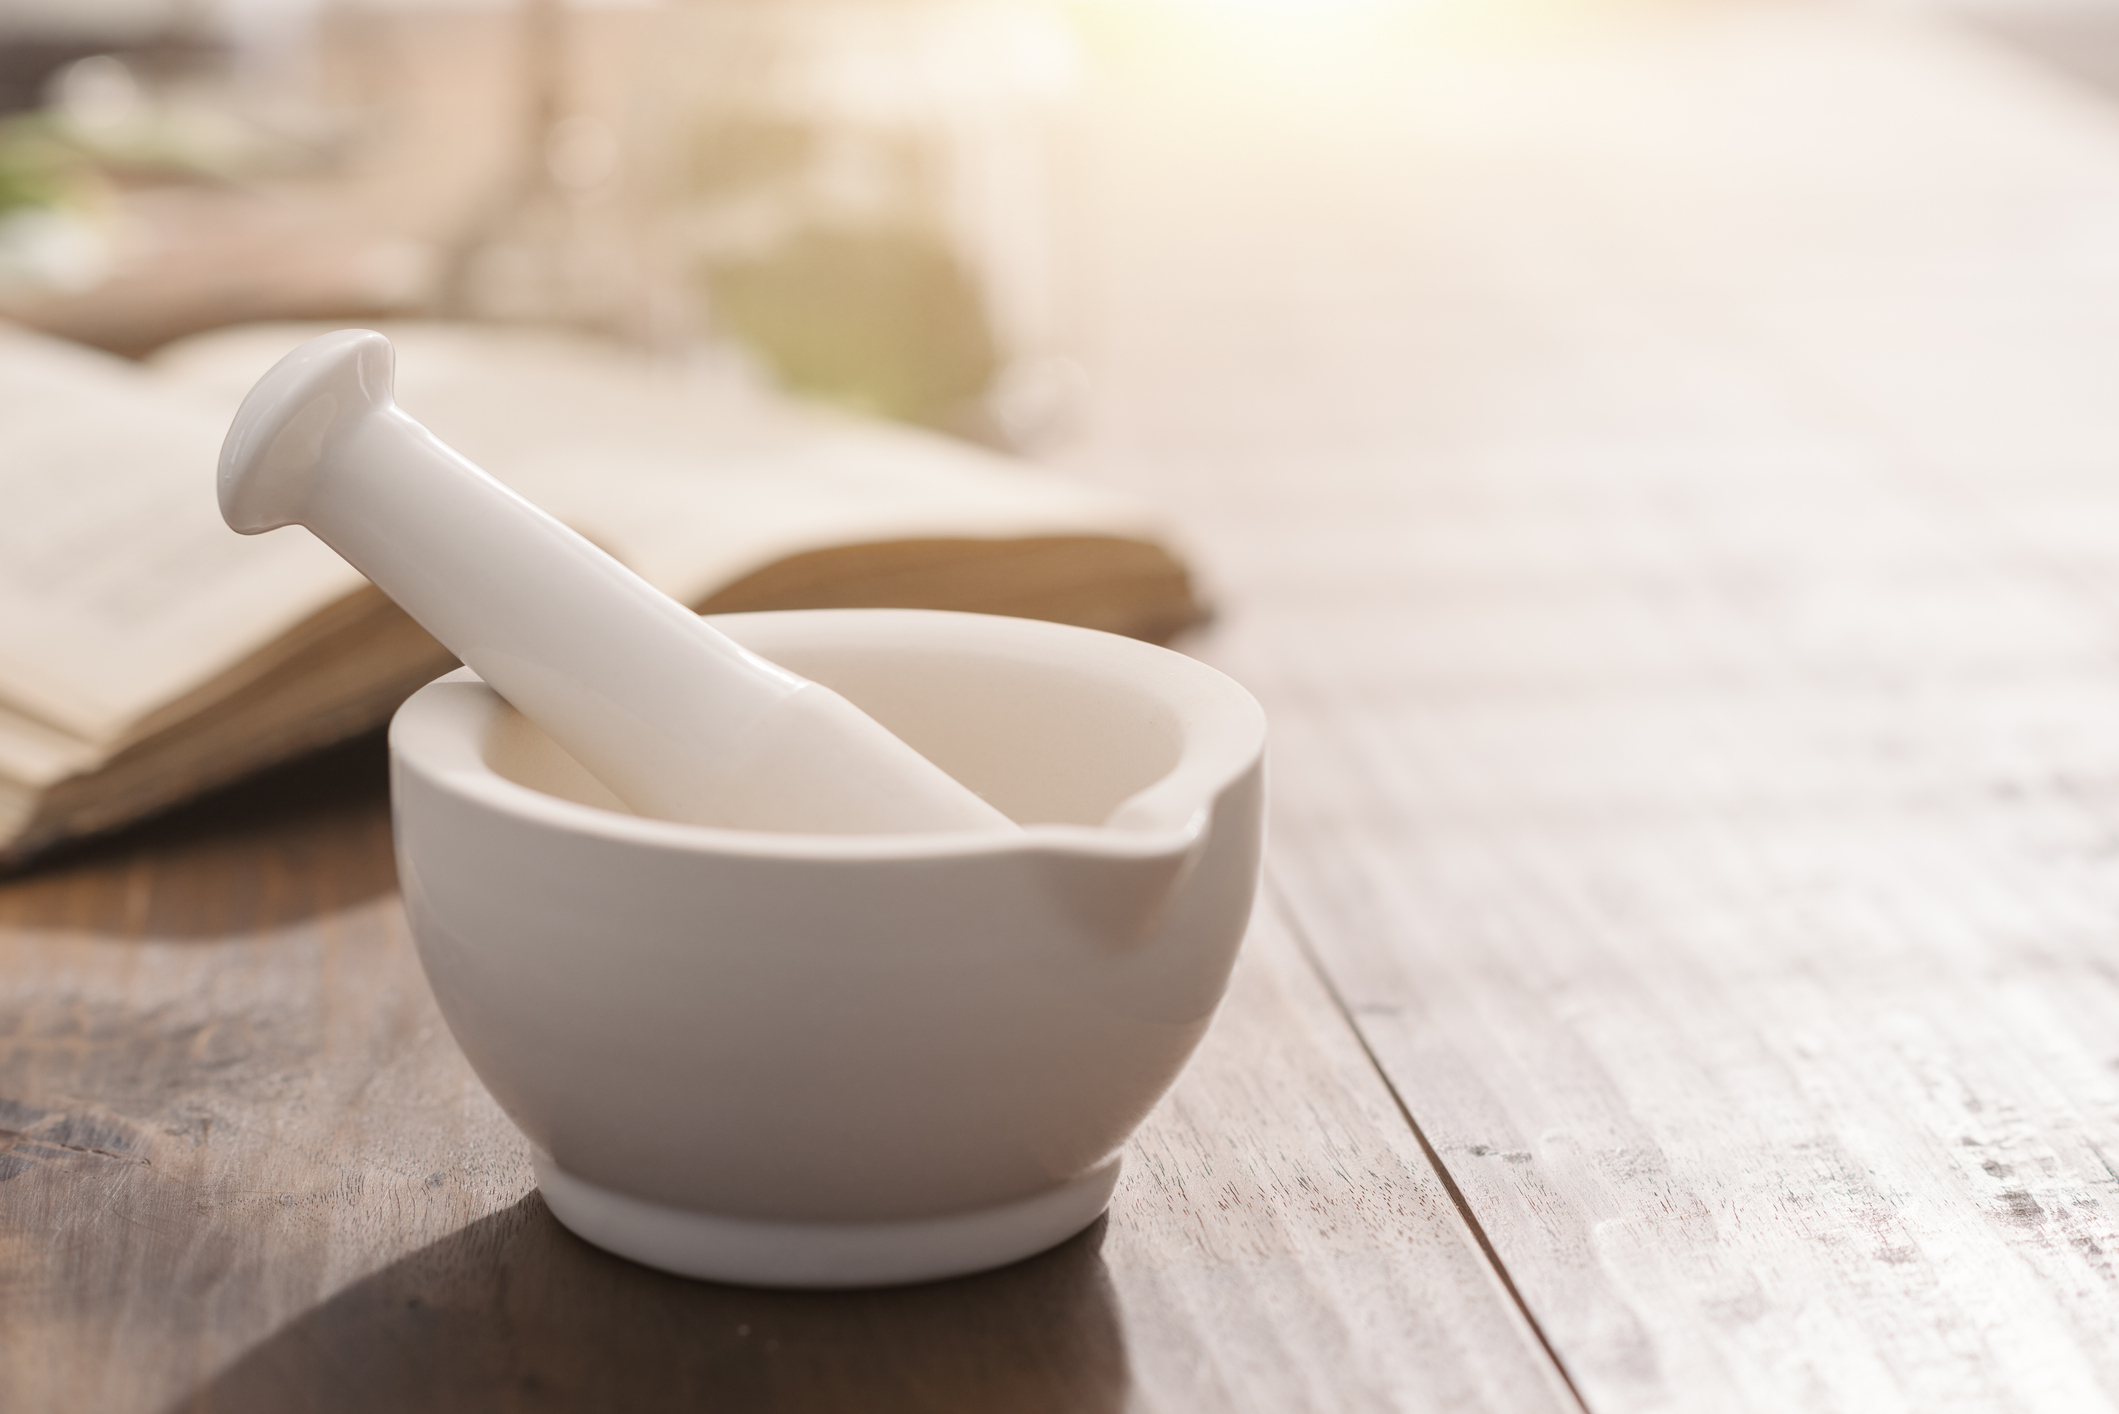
(148, 652)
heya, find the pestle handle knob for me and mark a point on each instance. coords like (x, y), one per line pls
(677, 719)
(314, 397)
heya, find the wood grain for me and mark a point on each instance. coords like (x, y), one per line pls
(243, 1168)
(1660, 482)
(1281, 1241)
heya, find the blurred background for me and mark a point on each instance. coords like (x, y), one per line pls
(886, 204)
(861, 200)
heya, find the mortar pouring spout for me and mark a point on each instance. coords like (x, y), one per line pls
(1118, 886)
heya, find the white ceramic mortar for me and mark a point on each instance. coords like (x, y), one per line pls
(846, 1060)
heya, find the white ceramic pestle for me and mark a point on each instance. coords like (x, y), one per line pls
(679, 722)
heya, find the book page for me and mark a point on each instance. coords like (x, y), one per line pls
(693, 481)
(120, 587)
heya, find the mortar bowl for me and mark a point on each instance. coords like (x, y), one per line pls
(837, 1060)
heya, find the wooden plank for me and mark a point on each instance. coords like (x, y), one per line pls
(243, 1168)
(226, 1092)
(1659, 478)
(1280, 1242)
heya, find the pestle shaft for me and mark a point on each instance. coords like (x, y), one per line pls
(679, 721)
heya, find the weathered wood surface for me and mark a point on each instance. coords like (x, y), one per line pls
(1664, 485)
(243, 1169)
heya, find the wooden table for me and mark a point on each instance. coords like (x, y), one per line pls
(1661, 472)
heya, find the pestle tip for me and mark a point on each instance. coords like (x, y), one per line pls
(276, 444)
